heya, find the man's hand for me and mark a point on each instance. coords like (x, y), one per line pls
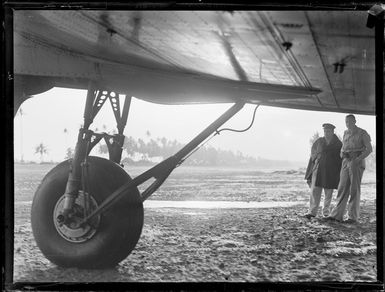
(356, 160)
(345, 154)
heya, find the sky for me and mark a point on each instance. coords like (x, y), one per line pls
(277, 133)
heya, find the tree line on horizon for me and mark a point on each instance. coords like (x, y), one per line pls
(138, 151)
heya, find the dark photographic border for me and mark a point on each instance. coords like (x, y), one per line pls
(7, 205)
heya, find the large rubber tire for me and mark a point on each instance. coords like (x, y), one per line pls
(116, 234)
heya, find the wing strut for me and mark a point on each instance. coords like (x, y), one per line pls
(162, 170)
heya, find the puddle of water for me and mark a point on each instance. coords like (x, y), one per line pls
(210, 204)
(219, 204)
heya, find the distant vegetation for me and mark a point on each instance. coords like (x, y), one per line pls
(42, 150)
(139, 152)
(69, 153)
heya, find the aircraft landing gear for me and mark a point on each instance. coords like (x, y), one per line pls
(75, 188)
(88, 212)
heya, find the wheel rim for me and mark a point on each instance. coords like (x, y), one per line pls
(71, 231)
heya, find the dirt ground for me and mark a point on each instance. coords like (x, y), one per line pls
(216, 244)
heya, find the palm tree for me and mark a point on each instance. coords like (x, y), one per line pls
(65, 131)
(69, 153)
(41, 149)
(130, 146)
(103, 149)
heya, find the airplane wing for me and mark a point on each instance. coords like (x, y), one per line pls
(311, 60)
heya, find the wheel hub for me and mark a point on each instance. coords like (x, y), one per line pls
(70, 229)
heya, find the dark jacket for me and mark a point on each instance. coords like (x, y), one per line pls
(325, 158)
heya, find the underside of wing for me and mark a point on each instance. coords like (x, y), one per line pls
(314, 60)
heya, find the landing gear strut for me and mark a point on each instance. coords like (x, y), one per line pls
(77, 187)
(88, 212)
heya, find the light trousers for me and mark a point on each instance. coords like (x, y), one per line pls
(315, 197)
(350, 185)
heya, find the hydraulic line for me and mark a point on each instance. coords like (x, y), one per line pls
(240, 131)
(217, 133)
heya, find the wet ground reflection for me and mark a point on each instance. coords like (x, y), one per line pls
(218, 204)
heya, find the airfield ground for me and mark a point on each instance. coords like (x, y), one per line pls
(219, 244)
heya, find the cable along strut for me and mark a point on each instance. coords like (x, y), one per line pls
(217, 132)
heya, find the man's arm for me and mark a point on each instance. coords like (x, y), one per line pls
(314, 152)
(342, 146)
(368, 147)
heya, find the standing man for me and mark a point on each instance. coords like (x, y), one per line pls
(323, 170)
(355, 148)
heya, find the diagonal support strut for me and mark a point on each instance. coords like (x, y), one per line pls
(162, 170)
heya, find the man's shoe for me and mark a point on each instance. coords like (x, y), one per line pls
(308, 216)
(331, 219)
(349, 221)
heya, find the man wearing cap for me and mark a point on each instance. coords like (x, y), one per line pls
(356, 147)
(323, 170)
